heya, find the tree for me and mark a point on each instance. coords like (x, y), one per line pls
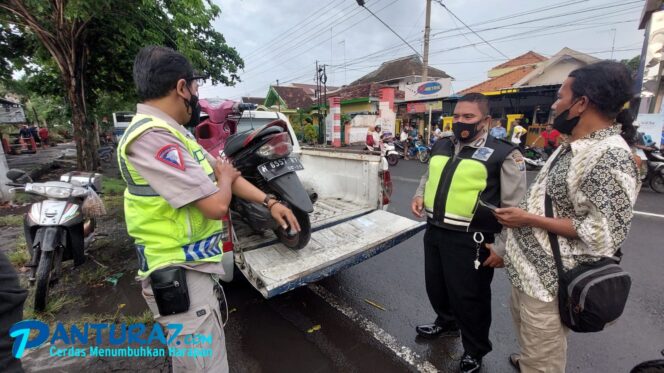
(84, 49)
(632, 64)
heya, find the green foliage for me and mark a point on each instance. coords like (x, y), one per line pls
(310, 133)
(91, 49)
(20, 255)
(632, 63)
(11, 221)
(113, 186)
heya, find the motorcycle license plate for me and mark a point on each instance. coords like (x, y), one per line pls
(274, 169)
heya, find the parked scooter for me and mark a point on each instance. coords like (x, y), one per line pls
(106, 153)
(55, 229)
(417, 149)
(262, 157)
(655, 174)
(535, 158)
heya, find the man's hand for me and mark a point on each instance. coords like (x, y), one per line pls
(493, 261)
(513, 217)
(224, 170)
(417, 206)
(284, 216)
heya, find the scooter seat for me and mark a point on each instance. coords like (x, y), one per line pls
(235, 143)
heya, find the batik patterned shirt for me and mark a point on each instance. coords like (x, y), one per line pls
(593, 183)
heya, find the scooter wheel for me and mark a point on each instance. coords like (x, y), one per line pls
(392, 159)
(43, 279)
(657, 183)
(300, 239)
(423, 156)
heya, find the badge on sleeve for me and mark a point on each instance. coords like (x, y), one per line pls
(482, 153)
(520, 162)
(171, 155)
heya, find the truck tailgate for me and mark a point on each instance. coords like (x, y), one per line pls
(274, 269)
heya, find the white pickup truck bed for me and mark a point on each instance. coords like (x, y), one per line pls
(348, 225)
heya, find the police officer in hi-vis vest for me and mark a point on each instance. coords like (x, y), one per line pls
(468, 175)
(176, 195)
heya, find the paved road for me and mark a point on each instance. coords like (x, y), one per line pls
(277, 335)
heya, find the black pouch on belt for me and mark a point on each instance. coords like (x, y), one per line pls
(171, 293)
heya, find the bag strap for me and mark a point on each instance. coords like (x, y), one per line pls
(553, 238)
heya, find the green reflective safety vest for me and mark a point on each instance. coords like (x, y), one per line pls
(457, 182)
(164, 235)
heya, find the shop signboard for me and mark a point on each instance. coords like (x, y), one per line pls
(652, 125)
(423, 107)
(438, 88)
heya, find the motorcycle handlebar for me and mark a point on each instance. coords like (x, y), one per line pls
(15, 185)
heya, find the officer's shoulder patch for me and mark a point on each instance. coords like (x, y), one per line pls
(171, 155)
(518, 159)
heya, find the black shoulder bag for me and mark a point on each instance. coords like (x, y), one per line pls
(590, 295)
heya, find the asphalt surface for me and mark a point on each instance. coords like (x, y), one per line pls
(280, 334)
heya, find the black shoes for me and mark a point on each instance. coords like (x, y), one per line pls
(470, 364)
(434, 330)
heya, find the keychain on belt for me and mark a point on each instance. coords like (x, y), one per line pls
(478, 237)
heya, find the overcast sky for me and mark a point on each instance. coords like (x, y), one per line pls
(283, 39)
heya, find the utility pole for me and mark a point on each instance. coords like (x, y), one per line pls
(427, 31)
(613, 45)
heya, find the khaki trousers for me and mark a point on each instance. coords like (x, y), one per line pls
(542, 337)
(203, 318)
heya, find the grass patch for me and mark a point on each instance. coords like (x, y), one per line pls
(11, 221)
(21, 198)
(20, 255)
(94, 276)
(55, 303)
(113, 186)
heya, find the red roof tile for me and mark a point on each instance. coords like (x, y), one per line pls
(503, 81)
(527, 58)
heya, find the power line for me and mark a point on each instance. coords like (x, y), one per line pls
(571, 23)
(440, 2)
(361, 3)
(298, 25)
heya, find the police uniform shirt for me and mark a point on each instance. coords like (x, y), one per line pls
(513, 183)
(179, 184)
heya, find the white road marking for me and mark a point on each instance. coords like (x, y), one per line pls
(379, 334)
(648, 214)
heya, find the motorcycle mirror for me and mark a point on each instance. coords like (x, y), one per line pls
(18, 176)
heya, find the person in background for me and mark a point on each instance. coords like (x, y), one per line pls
(43, 134)
(24, 133)
(517, 132)
(498, 131)
(592, 181)
(551, 139)
(405, 141)
(447, 131)
(34, 132)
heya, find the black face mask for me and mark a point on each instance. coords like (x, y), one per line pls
(465, 131)
(564, 125)
(193, 105)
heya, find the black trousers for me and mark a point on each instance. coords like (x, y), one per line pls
(12, 297)
(458, 292)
